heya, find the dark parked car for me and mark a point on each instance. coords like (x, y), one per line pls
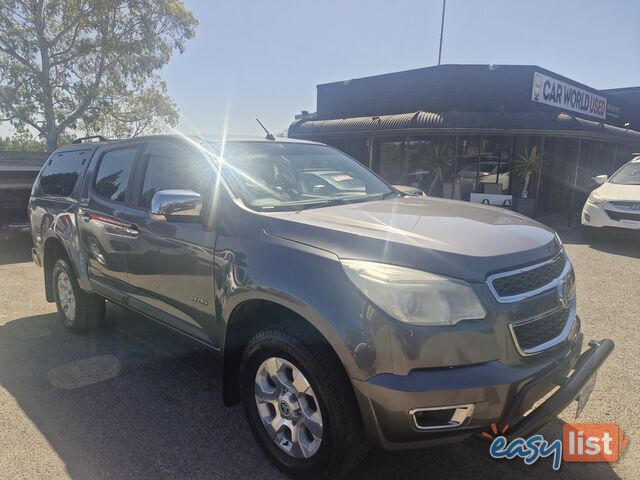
(342, 317)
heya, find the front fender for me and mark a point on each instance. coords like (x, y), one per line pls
(312, 284)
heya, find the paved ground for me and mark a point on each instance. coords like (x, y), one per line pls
(134, 401)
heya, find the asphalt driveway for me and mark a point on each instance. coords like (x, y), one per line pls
(135, 401)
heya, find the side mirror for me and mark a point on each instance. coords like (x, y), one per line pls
(600, 179)
(179, 204)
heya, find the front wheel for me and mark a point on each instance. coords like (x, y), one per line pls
(300, 406)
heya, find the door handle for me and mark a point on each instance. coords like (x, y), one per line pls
(86, 216)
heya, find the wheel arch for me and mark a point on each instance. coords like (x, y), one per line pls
(52, 250)
(254, 315)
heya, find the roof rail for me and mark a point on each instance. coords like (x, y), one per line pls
(100, 138)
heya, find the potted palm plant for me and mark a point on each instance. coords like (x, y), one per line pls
(440, 158)
(528, 162)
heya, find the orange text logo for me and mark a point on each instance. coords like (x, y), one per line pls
(592, 442)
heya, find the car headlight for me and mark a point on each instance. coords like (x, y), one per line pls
(413, 296)
(595, 198)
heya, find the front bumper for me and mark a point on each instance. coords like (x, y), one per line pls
(499, 394)
(595, 216)
(587, 365)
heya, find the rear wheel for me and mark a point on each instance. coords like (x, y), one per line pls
(78, 310)
(300, 406)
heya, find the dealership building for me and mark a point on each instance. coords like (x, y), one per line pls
(458, 131)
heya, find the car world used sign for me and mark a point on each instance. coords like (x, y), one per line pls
(554, 92)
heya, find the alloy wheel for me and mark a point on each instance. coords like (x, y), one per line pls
(288, 408)
(66, 297)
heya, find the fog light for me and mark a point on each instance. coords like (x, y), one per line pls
(587, 217)
(435, 418)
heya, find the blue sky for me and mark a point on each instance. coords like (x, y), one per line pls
(264, 58)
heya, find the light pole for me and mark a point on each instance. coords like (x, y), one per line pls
(444, 5)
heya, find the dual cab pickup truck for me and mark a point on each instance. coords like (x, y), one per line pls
(344, 312)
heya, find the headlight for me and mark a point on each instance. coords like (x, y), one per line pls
(595, 198)
(413, 296)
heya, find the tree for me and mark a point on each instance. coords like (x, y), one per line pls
(22, 142)
(89, 65)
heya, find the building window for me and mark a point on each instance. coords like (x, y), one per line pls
(466, 167)
(430, 165)
(483, 166)
(338, 143)
(390, 166)
(494, 168)
(595, 159)
(358, 148)
(623, 155)
(523, 144)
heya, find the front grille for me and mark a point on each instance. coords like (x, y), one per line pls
(624, 204)
(622, 215)
(527, 280)
(531, 334)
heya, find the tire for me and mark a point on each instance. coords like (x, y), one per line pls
(79, 311)
(342, 443)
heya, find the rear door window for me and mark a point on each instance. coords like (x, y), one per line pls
(61, 172)
(114, 171)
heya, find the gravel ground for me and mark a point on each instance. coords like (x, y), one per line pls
(136, 401)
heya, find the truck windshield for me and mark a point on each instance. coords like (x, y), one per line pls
(293, 176)
(628, 175)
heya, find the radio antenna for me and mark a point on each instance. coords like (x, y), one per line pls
(269, 134)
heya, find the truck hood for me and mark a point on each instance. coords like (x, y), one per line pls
(457, 239)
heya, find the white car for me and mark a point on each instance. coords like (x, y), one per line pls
(616, 202)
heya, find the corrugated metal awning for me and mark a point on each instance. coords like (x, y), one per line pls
(476, 122)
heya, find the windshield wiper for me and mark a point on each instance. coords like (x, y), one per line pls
(344, 201)
(324, 203)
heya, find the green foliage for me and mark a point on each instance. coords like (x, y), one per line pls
(22, 142)
(89, 66)
(527, 163)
